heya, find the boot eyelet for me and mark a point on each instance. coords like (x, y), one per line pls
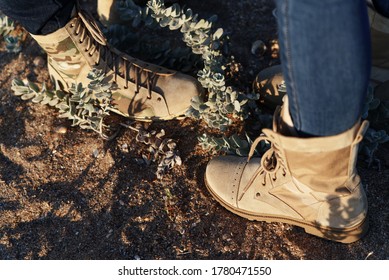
(257, 195)
(159, 99)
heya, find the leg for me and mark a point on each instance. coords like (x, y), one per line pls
(268, 80)
(39, 17)
(311, 181)
(325, 53)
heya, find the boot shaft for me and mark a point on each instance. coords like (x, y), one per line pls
(326, 164)
(80, 46)
(63, 54)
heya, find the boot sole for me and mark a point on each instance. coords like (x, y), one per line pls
(345, 235)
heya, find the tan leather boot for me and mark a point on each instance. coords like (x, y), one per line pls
(308, 182)
(142, 91)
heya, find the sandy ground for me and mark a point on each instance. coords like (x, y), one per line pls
(67, 194)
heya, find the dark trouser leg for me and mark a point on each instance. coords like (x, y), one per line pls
(39, 17)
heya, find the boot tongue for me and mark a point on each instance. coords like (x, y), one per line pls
(282, 121)
(74, 12)
(324, 164)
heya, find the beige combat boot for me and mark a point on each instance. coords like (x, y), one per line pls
(308, 182)
(141, 91)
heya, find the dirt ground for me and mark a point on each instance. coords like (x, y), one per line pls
(67, 194)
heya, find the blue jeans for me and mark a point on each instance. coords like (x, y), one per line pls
(326, 60)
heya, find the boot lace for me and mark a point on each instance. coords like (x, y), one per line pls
(273, 163)
(88, 31)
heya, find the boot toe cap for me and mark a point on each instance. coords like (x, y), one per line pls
(222, 178)
(178, 92)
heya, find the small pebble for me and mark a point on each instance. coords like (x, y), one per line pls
(96, 153)
(39, 61)
(258, 48)
(125, 148)
(60, 129)
(275, 49)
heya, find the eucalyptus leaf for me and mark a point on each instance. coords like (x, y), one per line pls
(28, 96)
(218, 34)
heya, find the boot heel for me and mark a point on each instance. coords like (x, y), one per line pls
(346, 236)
